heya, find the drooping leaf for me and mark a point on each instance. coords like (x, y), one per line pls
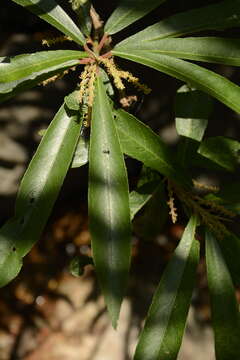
(220, 16)
(129, 11)
(30, 66)
(82, 8)
(230, 248)
(224, 307)
(222, 151)
(197, 76)
(53, 14)
(140, 142)
(38, 191)
(108, 204)
(192, 109)
(162, 334)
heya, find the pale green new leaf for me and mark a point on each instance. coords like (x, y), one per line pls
(140, 142)
(30, 66)
(162, 334)
(224, 307)
(52, 13)
(197, 76)
(108, 199)
(80, 156)
(220, 16)
(129, 11)
(38, 191)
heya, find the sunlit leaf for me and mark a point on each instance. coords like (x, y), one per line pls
(219, 16)
(224, 307)
(129, 11)
(140, 142)
(30, 66)
(108, 204)
(197, 76)
(38, 191)
(52, 13)
(162, 334)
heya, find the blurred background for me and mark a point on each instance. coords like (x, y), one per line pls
(46, 313)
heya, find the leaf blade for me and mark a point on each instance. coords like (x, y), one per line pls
(127, 12)
(162, 334)
(224, 307)
(108, 204)
(52, 13)
(32, 65)
(199, 77)
(38, 191)
(223, 15)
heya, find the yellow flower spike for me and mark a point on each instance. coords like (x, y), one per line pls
(173, 209)
(113, 71)
(52, 41)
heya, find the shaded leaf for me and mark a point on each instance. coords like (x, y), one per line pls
(223, 15)
(30, 66)
(53, 14)
(38, 191)
(140, 142)
(80, 156)
(108, 204)
(224, 307)
(222, 151)
(162, 334)
(129, 11)
(197, 76)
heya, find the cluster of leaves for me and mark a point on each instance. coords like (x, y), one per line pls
(115, 132)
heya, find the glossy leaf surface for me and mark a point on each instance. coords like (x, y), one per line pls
(129, 11)
(52, 13)
(140, 142)
(108, 204)
(38, 191)
(197, 76)
(29, 66)
(224, 307)
(162, 334)
(225, 14)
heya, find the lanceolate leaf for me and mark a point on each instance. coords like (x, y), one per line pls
(199, 77)
(38, 191)
(129, 11)
(52, 13)
(108, 204)
(224, 307)
(222, 151)
(162, 334)
(29, 66)
(140, 142)
(192, 108)
(80, 157)
(223, 15)
(208, 49)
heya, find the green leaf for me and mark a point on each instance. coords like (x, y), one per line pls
(72, 101)
(223, 15)
(53, 14)
(82, 9)
(129, 11)
(222, 151)
(38, 191)
(224, 307)
(108, 204)
(80, 156)
(197, 76)
(230, 248)
(162, 334)
(208, 49)
(140, 142)
(192, 109)
(30, 66)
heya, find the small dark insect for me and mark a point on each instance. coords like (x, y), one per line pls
(106, 152)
